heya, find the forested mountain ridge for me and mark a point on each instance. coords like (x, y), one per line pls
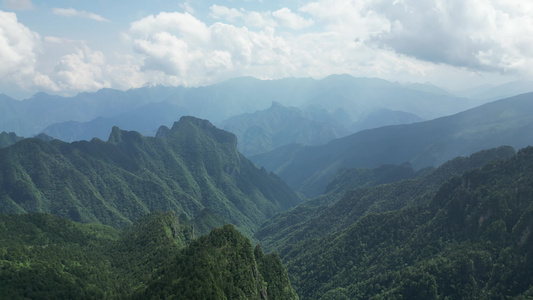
(187, 168)
(308, 169)
(8, 139)
(355, 193)
(46, 257)
(471, 240)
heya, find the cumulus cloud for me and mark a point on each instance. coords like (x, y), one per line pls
(192, 53)
(356, 18)
(283, 17)
(18, 4)
(177, 48)
(80, 70)
(18, 49)
(220, 12)
(289, 19)
(392, 39)
(71, 12)
(482, 35)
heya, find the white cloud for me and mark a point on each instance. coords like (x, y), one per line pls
(18, 4)
(81, 70)
(18, 50)
(289, 19)
(283, 17)
(187, 6)
(402, 40)
(259, 19)
(174, 53)
(71, 12)
(482, 36)
(349, 17)
(183, 25)
(224, 13)
(199, 54)
(479, 35)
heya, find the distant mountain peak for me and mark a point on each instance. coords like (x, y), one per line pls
(205, 126)
(276, 104)
(162, 132)
(118, 136)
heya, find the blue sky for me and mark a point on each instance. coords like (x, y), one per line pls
(66, 47)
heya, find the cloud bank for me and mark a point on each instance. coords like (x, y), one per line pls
(18, 50)
(416, 40)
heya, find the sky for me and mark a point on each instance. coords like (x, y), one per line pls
(66, 47)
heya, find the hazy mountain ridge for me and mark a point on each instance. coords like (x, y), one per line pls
(263, 131)
(471, 239)
(430, 143)
(384, 117)
(46, 257)
(145, 120)
(356, 97)
(192, 167)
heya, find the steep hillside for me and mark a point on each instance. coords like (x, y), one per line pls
(187, 168)
(471, 240)
(355, 193)
(431, 143)
(46, 257)
(221, 265)
(277, 126)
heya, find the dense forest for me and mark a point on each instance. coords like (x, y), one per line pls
(46, 257)
(140, 217)
(471, 239)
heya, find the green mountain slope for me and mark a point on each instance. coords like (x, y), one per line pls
(221, 265)
(8, 139)
(309, 169)
(355, 193)
(472, 240)
(46, 257)
(186, 169)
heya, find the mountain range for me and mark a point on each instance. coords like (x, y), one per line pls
(401, 209)
(349, 99)
(188, 168)
(308, 169)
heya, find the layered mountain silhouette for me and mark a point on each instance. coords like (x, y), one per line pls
(277, 126)
(308, 169)
(188, 168)
(354, 98)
